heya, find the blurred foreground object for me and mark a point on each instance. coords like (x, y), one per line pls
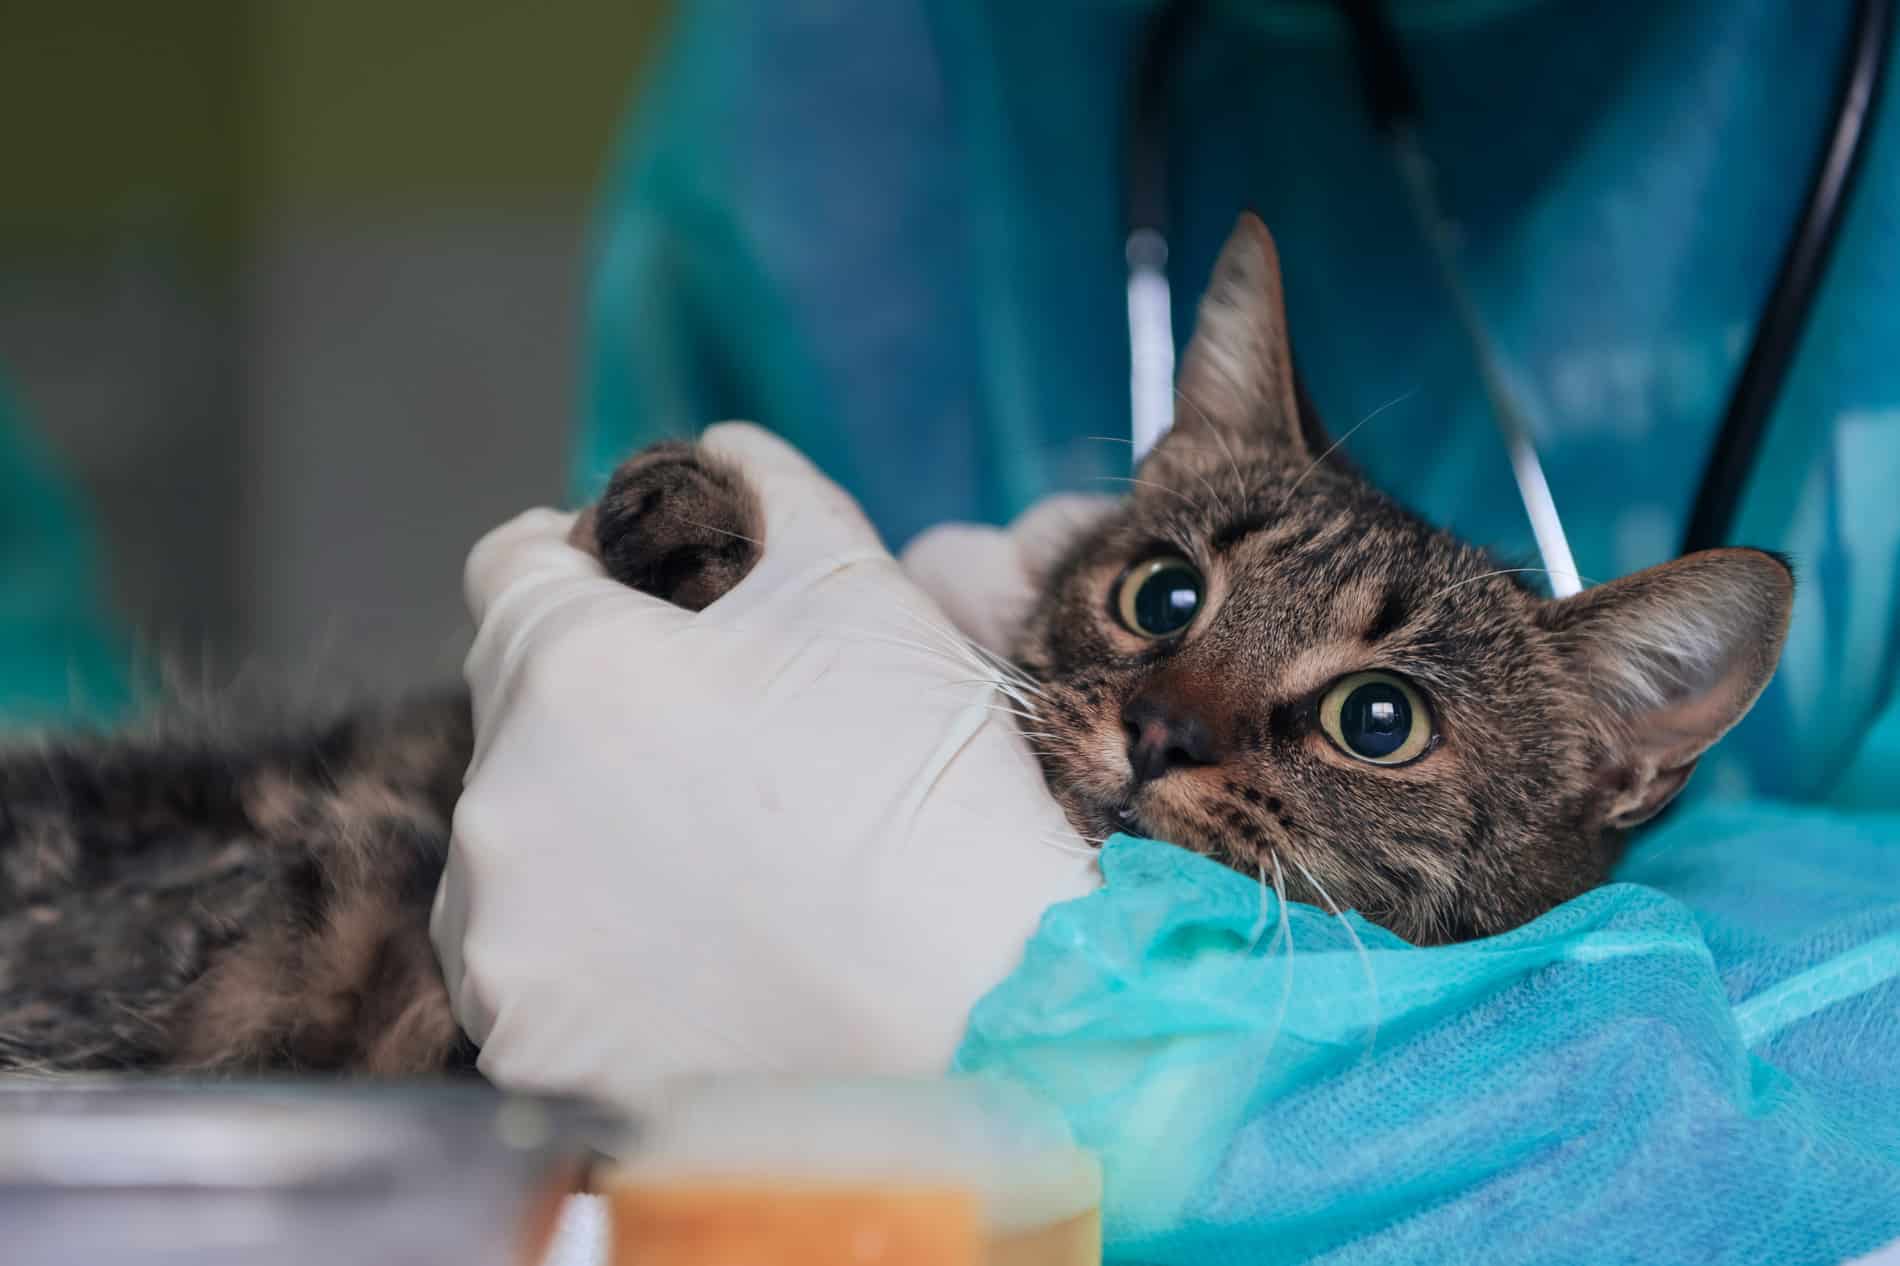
(59, 657)
(788, 1172)
(157, 1174)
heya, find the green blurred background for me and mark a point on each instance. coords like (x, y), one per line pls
(292, 290)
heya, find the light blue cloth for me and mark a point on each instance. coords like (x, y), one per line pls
(1698, 1071)
(891, 229)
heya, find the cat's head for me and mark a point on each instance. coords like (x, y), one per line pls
(1261, 657)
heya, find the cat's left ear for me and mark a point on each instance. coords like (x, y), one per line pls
(1671, 658)
(1237, 372)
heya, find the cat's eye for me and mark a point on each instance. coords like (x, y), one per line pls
(1376, 717)
(1159, 596)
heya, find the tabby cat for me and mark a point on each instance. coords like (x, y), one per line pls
(1257, 655)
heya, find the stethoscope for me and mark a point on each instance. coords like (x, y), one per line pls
(1393, 104)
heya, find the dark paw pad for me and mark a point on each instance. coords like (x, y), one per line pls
(679, 525)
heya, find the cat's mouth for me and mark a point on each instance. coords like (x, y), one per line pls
(1148, 812)
(1130, 819)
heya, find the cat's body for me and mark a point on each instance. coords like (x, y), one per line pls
(1257, 656)
(204, 901)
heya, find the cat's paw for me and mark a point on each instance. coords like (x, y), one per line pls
(677, 523)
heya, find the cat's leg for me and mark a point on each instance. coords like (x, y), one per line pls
(677, 523)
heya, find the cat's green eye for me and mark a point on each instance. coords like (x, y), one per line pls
(1376, 717)
(1159, 596)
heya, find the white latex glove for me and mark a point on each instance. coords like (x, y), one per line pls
(986, 578)
(784, 833)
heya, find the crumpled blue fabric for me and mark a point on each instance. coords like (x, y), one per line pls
(1675, 1068)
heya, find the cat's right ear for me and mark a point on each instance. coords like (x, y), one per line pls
(1669, 659)
(1237, 372)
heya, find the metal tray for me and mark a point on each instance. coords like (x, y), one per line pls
(113, 1171)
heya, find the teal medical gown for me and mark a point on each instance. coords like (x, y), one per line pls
(61, 658)
(891, 230)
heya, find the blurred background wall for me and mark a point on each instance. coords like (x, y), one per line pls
(294, 290)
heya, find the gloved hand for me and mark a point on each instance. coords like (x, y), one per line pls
(786, 832)
(986, 578)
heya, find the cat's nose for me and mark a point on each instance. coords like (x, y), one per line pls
(1163, 737)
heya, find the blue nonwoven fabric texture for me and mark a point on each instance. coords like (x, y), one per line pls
(1658, 1071)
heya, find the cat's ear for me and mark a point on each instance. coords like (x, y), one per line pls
(1670, 658)
(1237, 372)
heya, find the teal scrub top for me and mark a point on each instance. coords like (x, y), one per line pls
(892, 230)
(61, 656)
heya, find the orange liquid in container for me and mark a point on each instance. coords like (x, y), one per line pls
(698, 1224)
(883, 1174)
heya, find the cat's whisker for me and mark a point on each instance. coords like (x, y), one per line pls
(1240, 482)
(960, 653)
(1359, 948)
(1066, 841)
(1027, 706)
(996, 682)
(1219, 500)
(1260, 920)
(878, 635)
(1149, 483)
(1000, 665)
(1013, 688)
(1008, 689)
(1212, 491)
(1286, 923)
(1077, 845)
(1506, 571)
(707, 527)
(1023, 692)
(1332, 448)
(964, 648)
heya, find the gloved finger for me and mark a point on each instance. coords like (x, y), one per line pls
(533, 543)
(807, 516)
(986, 579)
(525, 585)
(1046, 530)
(976, 575)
